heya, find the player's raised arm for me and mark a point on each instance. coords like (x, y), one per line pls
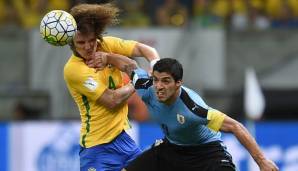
(242, 134)
(146, 51)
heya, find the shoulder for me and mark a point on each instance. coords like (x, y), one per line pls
(108, 39)
(151, 91)
(190, 96)
(116, 40)
(74, 63)
(193, 102)
(189, 91)
(75, 68)
(118, 45)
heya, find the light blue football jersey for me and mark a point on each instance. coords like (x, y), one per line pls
(185, 121)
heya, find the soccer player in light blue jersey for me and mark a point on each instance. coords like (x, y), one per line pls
(191, 128)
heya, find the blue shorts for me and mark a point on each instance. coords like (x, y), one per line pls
(112, 156)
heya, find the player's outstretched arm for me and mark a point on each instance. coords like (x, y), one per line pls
(242, 134)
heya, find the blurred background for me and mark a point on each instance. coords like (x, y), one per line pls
(217, 41)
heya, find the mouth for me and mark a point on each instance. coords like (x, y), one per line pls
(89, 52)
(160, 94)
(89, 55)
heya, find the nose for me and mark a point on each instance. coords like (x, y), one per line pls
(87, 46)
(158, 85)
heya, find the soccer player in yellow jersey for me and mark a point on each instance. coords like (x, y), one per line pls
(100, 93)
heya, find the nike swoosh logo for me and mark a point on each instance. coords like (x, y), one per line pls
(146, 82)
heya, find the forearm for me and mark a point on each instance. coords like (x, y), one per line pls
(142, 50)
(232, 126)
(150, 53)
(114, 98)
(120, 95)
(121, 62)
(249, 143)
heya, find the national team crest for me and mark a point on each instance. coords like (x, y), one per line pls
(180, 118)
(91, 169)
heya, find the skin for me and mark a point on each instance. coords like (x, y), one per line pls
(166, 88)
(241, 133)
(142, 50)
(85, 45)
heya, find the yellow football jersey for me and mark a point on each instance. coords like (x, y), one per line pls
(98, 124)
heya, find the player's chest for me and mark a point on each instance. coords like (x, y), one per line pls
(111, 77)
(174, 116)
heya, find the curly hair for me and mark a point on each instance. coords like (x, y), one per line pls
(95, 17)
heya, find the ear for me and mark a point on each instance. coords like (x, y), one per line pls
(179, 83)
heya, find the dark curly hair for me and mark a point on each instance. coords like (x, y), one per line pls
(95, 17)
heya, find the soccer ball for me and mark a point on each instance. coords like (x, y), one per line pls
(58, 27)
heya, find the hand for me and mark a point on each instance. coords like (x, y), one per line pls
(99, 61)
(268, 165)
(129, 68)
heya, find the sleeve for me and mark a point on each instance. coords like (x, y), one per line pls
(215, 119)
(86, 82)
(119, 46)
(142, 82)
(212, 118)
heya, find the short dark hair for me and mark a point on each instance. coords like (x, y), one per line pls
(170, 66)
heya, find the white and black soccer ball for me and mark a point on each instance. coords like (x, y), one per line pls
(58, 27)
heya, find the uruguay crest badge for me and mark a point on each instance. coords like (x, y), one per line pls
(180, 118)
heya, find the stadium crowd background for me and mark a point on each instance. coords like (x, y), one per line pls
(257, 19)
(238, 14)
